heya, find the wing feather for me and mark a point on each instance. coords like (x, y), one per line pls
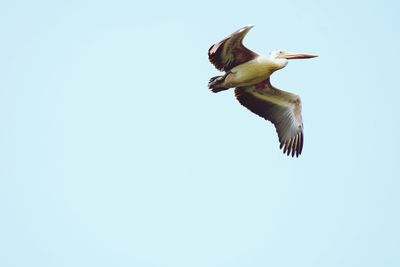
(281, 108)
(230, 52)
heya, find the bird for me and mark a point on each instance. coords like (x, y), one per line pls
(249, 73)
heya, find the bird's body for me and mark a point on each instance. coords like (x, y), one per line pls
(250, 74)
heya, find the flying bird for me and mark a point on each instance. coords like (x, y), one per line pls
(249, 73)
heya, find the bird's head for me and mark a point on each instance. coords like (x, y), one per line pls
(287, 55)
(280, 58)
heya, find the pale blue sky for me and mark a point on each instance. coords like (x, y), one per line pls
(115, 153)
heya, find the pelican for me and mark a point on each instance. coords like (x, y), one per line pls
(249, 73)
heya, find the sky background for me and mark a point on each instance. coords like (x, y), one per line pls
(114, 152)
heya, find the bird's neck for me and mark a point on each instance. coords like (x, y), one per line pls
(278, 63)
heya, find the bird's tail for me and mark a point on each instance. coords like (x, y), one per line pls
(216, 84)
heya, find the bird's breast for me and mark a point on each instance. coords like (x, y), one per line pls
(251, 72)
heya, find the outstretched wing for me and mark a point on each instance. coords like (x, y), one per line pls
(281, 108)
(230, 52)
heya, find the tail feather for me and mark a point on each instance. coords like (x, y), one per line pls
(216, 84)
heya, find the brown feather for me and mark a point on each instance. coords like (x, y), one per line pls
(230, 52)
(281, 108)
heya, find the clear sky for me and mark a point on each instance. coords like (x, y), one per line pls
(114, 152)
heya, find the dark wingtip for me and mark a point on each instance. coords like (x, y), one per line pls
(294, 146)
(246, 28)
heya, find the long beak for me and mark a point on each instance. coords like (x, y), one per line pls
(288, 55)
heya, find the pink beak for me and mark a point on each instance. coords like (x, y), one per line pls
(297, 56)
